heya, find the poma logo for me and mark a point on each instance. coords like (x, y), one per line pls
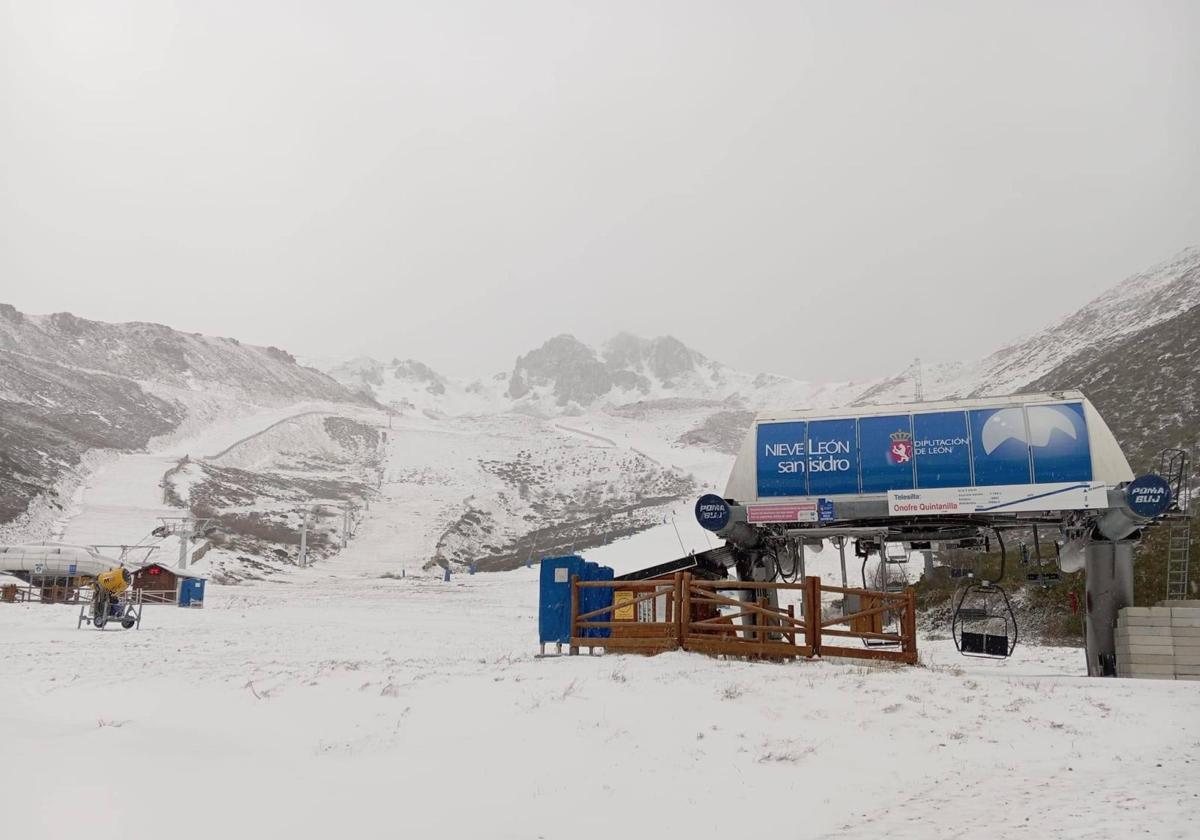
(901, 450)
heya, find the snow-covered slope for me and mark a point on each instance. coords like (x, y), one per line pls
(364, 707)
(70, 387)
(1137, 303)
(407, 386)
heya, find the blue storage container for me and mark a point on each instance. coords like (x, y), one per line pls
(554, 605)
(596, 598)
(191, 592)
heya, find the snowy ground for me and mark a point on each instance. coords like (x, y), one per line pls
(373, 708)
(344, 703)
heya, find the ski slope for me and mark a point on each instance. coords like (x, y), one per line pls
(362, 707)
(120, 502)
(343, 702)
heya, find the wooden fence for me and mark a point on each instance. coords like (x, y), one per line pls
(707, 616)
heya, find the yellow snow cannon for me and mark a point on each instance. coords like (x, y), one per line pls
(114, 581)
(110, 600)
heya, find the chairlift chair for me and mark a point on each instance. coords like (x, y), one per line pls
(984, 623)
(888, 622)
(1047, 573)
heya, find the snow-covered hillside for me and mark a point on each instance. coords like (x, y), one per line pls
(410, 387)
(659, 395)
(578, 445)
(566, 376)
(1137, 303)
(72, 389)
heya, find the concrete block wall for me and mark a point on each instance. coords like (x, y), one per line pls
(1161, 642)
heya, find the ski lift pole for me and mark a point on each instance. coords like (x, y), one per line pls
(304, 538)
(183, 543)
(841, 542)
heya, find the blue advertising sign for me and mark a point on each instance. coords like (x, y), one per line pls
(986, 447)
(832, 456)
(782, 456)
(712, 512)
(941, 447)
(886, 453)
(1058, 438)
(1000, 446)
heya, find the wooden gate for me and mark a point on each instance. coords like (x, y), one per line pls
(629, 634)
(865, 625)
(754, 628)
(735, 618)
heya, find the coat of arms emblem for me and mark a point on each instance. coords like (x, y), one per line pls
(901, 450)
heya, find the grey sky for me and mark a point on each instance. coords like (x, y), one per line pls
(817, 189)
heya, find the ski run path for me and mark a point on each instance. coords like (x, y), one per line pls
(342, 704)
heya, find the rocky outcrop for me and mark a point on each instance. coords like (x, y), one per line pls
(567, 367)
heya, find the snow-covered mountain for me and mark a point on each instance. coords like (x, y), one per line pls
(572, 445)
(1134, 350)
(564, 376)
(407, 386)
(1137, 303)
(70, 386)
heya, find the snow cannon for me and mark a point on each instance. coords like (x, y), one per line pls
(114, 581)
(945, 475)
(110, 600)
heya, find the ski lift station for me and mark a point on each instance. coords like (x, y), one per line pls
(890, 480)
(941, 475)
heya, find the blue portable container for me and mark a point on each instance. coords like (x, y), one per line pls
(554, 605)
(191, 592)
(596, 598)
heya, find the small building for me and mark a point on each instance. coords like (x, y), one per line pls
(161, 584)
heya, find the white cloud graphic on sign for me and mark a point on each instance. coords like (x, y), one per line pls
(1009, 424)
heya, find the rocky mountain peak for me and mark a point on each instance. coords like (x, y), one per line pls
(567, 366)
(419, 372)
(665, 357)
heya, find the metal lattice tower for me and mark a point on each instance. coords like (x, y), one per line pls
(1174, 468)
(918, 383)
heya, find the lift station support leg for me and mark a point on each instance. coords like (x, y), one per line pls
(1108, 582)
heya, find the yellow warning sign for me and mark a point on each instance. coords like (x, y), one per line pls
(625, 612)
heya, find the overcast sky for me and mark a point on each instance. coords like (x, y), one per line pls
(823, 190)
